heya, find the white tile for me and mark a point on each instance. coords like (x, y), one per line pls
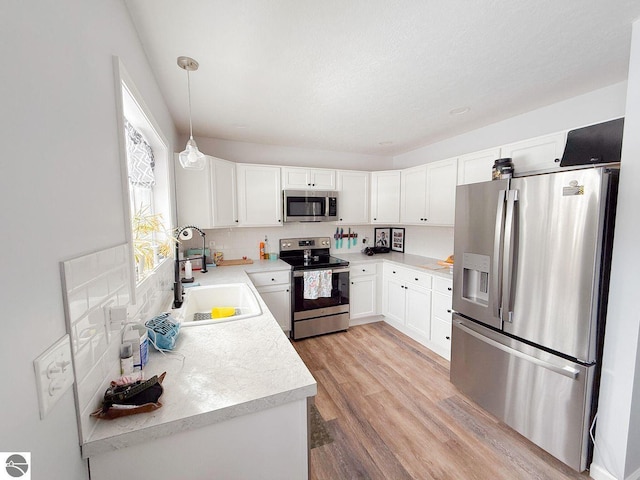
(84, 269)
(78, 304)
(107, 259)
(98, 291)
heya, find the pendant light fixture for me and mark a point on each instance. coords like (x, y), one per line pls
(191, 158)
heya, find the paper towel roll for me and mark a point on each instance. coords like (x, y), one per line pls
(186, 234)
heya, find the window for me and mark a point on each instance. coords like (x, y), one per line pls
(146, 182)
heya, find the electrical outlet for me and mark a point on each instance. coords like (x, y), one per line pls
(54, 374)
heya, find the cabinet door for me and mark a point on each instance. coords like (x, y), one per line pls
(537, 154)
(353, 203)
(193, 196)
(308, 179)
(441, 337)
(295, 178)
(441, 192)
(385, 196)
(418, 310)
(259, 195)
(413, 190)
(278, 300)
(323, 179)
(223, 193)
(477, 166)
(393, 300)
(362, 297)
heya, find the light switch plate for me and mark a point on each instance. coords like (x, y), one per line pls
(54, 374)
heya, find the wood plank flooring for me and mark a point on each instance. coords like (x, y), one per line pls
(394, 414)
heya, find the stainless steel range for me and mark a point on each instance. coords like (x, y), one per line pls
(320, 287)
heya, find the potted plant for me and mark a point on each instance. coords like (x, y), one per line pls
(145, 247)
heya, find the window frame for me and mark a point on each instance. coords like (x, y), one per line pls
(130, 104)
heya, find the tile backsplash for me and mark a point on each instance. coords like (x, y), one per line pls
(436, 242)
(92, 284)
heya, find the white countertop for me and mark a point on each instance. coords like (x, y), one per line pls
(229, 369)
(426, 264)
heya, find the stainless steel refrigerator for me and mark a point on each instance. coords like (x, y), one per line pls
(531, 275)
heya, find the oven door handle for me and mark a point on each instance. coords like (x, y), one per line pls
(300, 273)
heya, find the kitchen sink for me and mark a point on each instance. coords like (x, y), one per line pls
(199, 302)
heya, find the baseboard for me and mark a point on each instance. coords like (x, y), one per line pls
(600, 473)
(365, 320)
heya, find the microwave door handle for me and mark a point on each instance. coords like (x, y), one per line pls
(507, 266)
(497, 256)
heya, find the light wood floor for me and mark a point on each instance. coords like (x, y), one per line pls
(394, 415)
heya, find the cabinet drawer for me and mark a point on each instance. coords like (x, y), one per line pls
(408, 275)
(443, 285)
(441, 333)
(363, 269)
(442, 306)
(260, 279)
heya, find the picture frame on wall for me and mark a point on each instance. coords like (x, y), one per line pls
(382, 237)
(397, 240)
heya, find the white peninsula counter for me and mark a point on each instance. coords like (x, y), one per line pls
(234, 405)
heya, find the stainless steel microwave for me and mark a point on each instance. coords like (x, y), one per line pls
(310, 206)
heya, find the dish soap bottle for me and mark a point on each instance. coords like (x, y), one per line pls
(266, 248)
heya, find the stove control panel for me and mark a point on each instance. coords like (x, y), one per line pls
(292, 244)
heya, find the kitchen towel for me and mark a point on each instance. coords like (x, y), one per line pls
(317, 283)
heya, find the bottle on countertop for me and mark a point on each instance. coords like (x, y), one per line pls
(266, 248)
(261, 250)
(126, 359)
(502, 168)
(188, 270)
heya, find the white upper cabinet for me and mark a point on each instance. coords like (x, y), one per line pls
(294, 178)
(259, 195)
(223, 193)
(429, 193)
(353, 201)
(441, 192)
(385, 196)
(413, 206)
(536, 154)
(477, 166)
(207, 199)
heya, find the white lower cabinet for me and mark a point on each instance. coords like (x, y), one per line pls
(441, 316)
(406, 301)
(275, 289)
(363, 301)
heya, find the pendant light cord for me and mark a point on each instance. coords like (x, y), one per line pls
(189, 95)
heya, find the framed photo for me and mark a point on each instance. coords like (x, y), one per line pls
(382, 237)
(397, 239)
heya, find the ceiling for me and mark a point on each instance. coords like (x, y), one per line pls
(376, 76)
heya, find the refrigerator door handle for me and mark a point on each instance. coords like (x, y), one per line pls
(507, 263)
(566, 370)
(497, 243)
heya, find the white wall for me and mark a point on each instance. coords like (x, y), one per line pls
(593, 107)
(617, 434)
(243, 152)
(60, 191)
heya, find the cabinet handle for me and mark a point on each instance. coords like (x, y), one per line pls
(448, 311)
(557, 160)
(236, 221)
(416, 279)
(364, 269)
(394, 271)
(287, 290)
(273, 279)
(448, 338)
(449, 288)
(340, 219)
(351, 283)
(375, 219)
